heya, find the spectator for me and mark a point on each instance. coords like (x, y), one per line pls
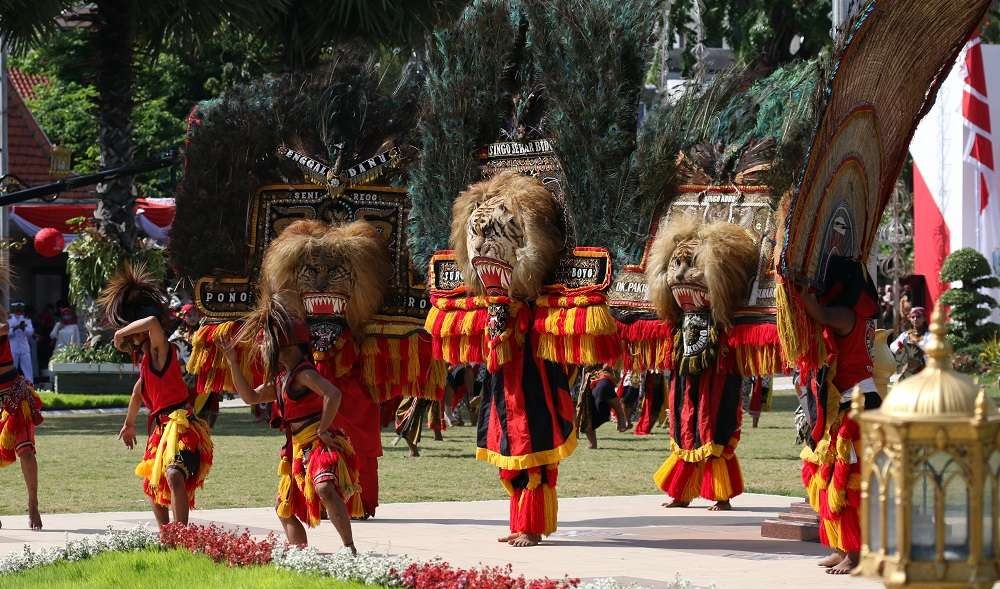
(66, 331)
(908, 348)
(21, 331)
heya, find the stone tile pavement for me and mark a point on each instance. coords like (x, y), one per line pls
(628, 538)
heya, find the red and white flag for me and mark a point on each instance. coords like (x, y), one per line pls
(956, 192)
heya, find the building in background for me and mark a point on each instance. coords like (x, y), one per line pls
(33, 160)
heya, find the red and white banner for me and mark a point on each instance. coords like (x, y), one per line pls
(956, 158)
(153, 215)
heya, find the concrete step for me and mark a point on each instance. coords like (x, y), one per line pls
(801, 508)
(802, 518)
(786, 530)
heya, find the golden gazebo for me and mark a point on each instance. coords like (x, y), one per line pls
(930, 464)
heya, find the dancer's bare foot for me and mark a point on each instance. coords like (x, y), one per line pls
(676, 503)
(846, 565)
(414, 450)
(721, 506)
(34, 519)
(438, 437)
(832, 560)
(509, 538)
(525, 540)
(756, 421)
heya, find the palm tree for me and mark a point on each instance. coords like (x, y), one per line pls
(117, 29)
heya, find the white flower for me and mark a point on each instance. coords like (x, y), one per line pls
(136, 538)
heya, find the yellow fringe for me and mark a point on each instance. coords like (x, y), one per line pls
(551, 503)
(722, 486)
(527, 461)
(789, 332)
(661, 474)
(169, 444)
(815, 488)
(833, 534)
(508, 486)
(758, 360)
(199, 403)
(693, 487)
(7, 437)
(702, 453)
(284, 507)
(300, 441)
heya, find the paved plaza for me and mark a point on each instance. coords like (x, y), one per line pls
(628, 538)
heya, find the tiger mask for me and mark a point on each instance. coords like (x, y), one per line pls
(698, 267)
(508, 232)
(339, 272)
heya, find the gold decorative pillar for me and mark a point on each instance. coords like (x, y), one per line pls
(930, 467)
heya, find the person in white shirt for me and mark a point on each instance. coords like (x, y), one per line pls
(21, 330)
(66, 331)
(908, 348)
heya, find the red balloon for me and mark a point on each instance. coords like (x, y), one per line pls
(49, 242)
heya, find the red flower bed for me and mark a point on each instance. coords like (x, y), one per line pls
(440, 575)
(219, 544)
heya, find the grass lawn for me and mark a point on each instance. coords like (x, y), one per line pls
(156, 569)
(52, 400)
(85, 468)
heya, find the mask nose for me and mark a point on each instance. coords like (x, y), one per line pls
(682, 271)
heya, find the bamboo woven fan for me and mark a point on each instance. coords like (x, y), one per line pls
(897, 54)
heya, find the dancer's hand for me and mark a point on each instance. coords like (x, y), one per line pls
(327, 439)
(127, 435)
(228, 346)
(119, 341)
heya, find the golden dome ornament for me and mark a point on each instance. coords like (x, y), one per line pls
(930, 466)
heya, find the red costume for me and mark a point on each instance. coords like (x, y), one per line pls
(831, 469)
(653, 404)
(359, 418)
(177, 438)
(305, 461)
(20, 410)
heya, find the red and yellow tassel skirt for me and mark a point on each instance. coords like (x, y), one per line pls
(178, 440)
(308, 462)
(20, 412)
(831, 475)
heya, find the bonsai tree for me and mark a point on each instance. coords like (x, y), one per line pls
(970, 307)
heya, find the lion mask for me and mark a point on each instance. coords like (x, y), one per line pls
(508, 232)
(340, 273)
(696, 266)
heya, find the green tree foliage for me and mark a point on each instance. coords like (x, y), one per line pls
(758, 31)
(970, 307)
(168, 83)
(464, 105)
(94, 259)
(592, 56)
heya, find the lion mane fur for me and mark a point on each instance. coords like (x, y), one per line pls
(727, 256)
(540, 216)
(357, 245)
